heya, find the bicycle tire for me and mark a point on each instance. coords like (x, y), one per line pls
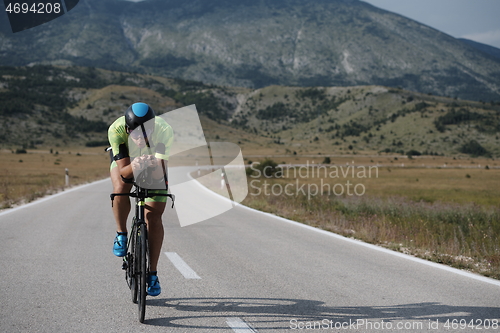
(131, 273)
(142, 270)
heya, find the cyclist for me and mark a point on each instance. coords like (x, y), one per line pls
(126, 144)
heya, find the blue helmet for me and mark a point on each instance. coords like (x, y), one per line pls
(137, 114)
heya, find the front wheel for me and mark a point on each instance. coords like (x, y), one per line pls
(142, 269)
(131, 265)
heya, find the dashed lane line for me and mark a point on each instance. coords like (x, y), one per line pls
(181, 265)
(239, 326)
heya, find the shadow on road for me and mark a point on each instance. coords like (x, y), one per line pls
(283, 314)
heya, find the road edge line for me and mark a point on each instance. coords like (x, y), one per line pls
(51, 196)
(367, 245)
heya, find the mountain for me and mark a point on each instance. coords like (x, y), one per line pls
(488, 49)
(256, 43)
(47, 106)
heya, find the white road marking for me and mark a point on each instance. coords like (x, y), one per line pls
(182, 266)
(52, 196)
(239, 326)
(381, 249)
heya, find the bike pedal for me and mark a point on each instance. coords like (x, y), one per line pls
(124, 265)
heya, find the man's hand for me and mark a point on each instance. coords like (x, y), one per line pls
(142, 162)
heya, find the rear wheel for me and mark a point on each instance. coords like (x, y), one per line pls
(142, 270)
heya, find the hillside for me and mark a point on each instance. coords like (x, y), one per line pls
(44, 106)
(490, 50)
(259, 43)
(65, 106)
(370, 118)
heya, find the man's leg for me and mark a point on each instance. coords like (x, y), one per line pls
(154, 212)
(121, 204)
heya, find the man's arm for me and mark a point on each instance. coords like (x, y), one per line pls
(125, 168)
(159, 172)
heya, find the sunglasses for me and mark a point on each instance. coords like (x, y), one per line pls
(137, 133)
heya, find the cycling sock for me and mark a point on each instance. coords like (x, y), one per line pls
(122, 233)
(153, 273)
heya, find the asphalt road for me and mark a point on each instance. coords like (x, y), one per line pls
(242, 271)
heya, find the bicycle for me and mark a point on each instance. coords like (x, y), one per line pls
(136, 261)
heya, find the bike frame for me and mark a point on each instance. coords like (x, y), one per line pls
(136, 262)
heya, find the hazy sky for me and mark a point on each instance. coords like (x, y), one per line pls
(478, 20)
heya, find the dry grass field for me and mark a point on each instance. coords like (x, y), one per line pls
(36, 173)
(442, 209)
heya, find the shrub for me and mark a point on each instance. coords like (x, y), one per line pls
(413, 153)
(268, 168)
(474, 148)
